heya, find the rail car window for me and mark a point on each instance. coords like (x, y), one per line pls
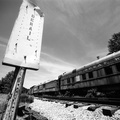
(84, 76)
(77, 78)
(99, 73)
(68, 80)
(39, 87)
(90, 74)
(43, 85)
(73, 79)
(108, 70)
(118, 67)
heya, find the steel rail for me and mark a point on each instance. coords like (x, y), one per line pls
(107, 101)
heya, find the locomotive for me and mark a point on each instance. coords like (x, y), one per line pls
(102, 75)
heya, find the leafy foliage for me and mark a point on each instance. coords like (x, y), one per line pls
(7, 83)
(114, 43)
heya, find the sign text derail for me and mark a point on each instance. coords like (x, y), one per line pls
(31, 25)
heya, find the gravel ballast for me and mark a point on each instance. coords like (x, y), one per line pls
(58, 111)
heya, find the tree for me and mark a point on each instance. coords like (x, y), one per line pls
(114, 43)
(7, 82)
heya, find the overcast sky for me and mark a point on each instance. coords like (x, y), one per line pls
(75, 32)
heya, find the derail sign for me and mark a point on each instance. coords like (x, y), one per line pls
(24, 45)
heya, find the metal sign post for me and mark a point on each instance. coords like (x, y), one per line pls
(10, 113)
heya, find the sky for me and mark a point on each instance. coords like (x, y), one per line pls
(75, 33)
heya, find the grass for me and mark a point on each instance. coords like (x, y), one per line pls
(2, 103)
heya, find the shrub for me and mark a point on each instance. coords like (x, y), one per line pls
(26, 98)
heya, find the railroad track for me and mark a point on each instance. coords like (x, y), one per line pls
(90, 104)
(107, 101)
(107, 109)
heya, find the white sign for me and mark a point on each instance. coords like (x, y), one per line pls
(24, 45)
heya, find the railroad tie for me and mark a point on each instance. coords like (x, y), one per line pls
(109, 111)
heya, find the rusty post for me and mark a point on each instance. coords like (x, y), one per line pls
(10, 113)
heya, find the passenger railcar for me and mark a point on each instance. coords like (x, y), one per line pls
(30, 92)
(102, 74)
(51, 86)
(33, 90)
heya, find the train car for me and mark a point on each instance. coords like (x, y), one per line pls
(103, 74)
(40, 88)
(33, 90)
(30, 92)
(51, 87)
